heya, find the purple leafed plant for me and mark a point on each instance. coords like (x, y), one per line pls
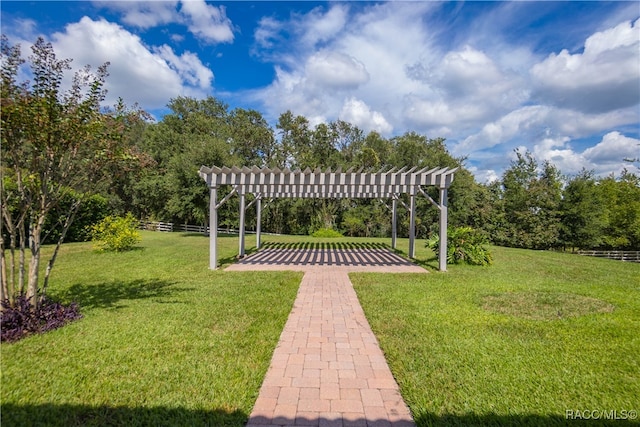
(20, 319)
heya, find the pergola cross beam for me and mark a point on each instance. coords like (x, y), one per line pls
(284, 183)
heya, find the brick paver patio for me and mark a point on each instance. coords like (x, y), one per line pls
(328, 369)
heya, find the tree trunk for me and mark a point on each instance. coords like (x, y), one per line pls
(68, 221)
(4, 288)
(35, 245)
(22, 239)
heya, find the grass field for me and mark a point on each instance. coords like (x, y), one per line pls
(465, 354)
(165, 341)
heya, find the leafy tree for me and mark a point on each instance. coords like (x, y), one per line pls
(376, 151)
(55, 143)
(295, 140)
(622, 211)
(252, 139)
(194, 133)
(349, 141)
(531, 203)
(582, 213)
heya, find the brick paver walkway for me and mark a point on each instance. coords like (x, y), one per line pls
(328, 369)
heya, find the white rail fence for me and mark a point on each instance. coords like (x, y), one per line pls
(184, 228)
(631, 256)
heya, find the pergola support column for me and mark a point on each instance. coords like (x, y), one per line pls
(242, 227)
(442, 249)
(412, 226)
(394, 222)
(213, 229)
(258, 221)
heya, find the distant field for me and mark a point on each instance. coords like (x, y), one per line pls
(165, 341)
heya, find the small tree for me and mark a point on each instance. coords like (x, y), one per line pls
(55, 144)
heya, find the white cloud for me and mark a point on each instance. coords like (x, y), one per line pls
(358, 113)
(267, 32)
(613, 148)
(602, 78)
(606, 157)
(144, 14)
(318, 27)
(137, 74)
(335, 70)
(207, 22)
(188, 67)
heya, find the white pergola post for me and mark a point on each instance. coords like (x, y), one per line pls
(412, 225)
(241, 231)
(442, 249)
(394, 222)
(258, 221)
(213, 229)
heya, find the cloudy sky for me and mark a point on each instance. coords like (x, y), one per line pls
(561, 79)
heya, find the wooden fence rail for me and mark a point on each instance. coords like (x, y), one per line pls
(631, 256)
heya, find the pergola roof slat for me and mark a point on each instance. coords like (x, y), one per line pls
(276, 182)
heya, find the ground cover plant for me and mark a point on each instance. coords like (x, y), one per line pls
(163, 341)
(520, 343)
(21, 318)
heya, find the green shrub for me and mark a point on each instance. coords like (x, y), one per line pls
(326, 232)
(464, 245)
(93, 209)
(116, 233)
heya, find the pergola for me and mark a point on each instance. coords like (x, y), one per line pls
(271, 183)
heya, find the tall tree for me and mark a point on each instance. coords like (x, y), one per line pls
(622, 211)
(55, 143)
(531, 203)
(196, 132)
(295, 140)
(252, 138)
(583, 213)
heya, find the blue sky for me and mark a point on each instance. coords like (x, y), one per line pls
(561, 79)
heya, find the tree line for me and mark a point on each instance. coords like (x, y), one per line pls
(532, 206)
(67, 162)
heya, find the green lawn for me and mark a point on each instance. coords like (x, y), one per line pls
(165, 341)
(459, 361)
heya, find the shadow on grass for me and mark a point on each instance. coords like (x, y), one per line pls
(533, 420)
(430, 264)
(113, 294)
(79, 415)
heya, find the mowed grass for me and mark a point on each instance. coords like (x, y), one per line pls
(164, 341)
(518, 343)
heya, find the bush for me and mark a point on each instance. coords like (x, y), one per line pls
(93, 209)
(20, 319)
(326, 232)
(115, 233)
(464, 245)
